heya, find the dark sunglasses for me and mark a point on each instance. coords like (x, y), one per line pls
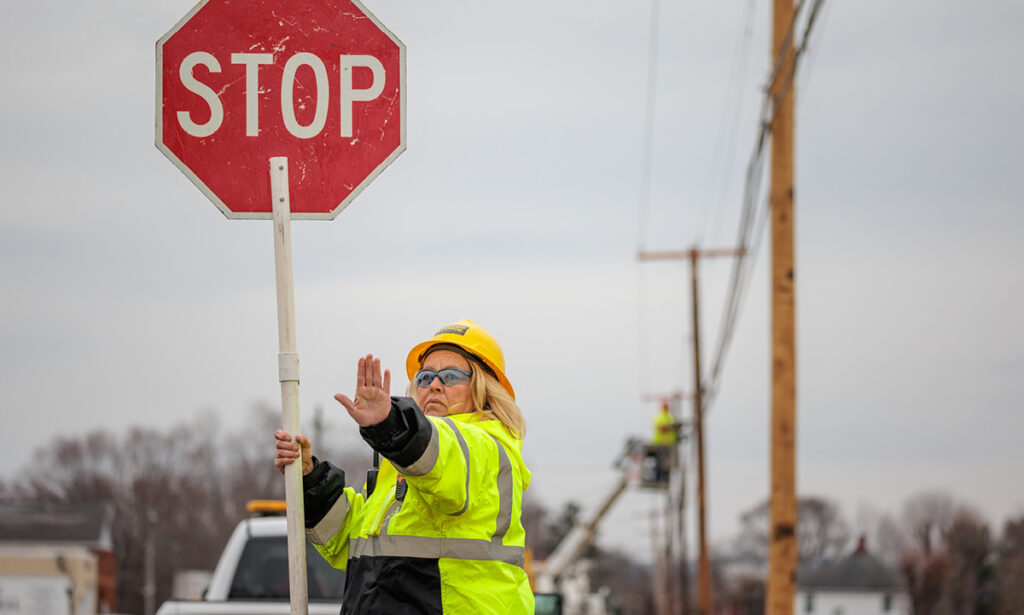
(449, 376)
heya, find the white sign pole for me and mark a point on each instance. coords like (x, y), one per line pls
(288, 374)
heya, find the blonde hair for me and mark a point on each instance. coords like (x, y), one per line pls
(490, 400)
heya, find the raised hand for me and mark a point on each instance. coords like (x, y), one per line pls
(373, 393)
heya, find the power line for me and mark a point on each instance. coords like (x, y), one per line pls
(646, 170)
(726, 151)
(641, 324)
(647, 155)
(810, 62)
(791, 74)
(752, 220)
(786, 44)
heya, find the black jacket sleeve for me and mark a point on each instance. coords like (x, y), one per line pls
(402, 436)
(321, 489)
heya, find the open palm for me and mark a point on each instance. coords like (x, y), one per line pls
(373, 393)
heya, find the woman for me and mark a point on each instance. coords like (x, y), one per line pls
(441, 531)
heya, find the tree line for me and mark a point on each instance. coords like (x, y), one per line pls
(184, 488)
(181, 489)
(948, 557)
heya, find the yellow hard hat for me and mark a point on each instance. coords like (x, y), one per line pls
(471, 338)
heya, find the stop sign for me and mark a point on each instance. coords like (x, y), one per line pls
(321, 82)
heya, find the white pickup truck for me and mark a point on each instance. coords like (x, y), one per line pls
(251, 577)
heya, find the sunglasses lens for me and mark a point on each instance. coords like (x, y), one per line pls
(450, 376)
(424, 377)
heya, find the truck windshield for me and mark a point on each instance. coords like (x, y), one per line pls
(262, 573)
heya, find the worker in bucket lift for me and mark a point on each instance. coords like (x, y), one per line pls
(660, 456)
(666, 429)
(441, 530)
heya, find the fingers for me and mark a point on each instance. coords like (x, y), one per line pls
(370, 375)
(373, 391)
(284, 443)
(287, 449)
(376, 379)
(345, 401)
(284, 457)
(368, 372)
(364, 376)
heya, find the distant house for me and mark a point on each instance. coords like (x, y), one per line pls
(57, 560)
(858, 584)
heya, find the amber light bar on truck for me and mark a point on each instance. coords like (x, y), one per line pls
(266, 508)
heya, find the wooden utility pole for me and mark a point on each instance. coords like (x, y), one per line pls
(704, 602)
(662, 596)
(684, 566)
(704, 597)
(782, 545)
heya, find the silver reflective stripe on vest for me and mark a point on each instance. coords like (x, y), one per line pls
(323, 531)
(427, 460)
(395, 507)
(504, 492)
(429, 547)
(454, 548)
(465, 453)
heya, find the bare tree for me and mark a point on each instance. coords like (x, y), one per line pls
(159, 486)
(925, 576)
(746, 597)
(883, 533)
(626, 582)
(927, 517)
(535, 518)
(181, 490)
(1010, 569)
(969, 589)
(821, 530)
(560, 527)
(945, 561)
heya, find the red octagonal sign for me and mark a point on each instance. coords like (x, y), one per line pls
(321, 82)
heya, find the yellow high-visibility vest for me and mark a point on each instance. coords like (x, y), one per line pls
(664, 429)
(453, 542)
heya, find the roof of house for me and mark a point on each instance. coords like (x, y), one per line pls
(81, 523)
(860, 570)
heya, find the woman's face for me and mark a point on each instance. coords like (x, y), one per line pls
(438, 399)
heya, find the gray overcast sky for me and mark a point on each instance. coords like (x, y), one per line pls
(129, 299)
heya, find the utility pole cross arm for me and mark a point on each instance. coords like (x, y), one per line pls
(677, 255)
